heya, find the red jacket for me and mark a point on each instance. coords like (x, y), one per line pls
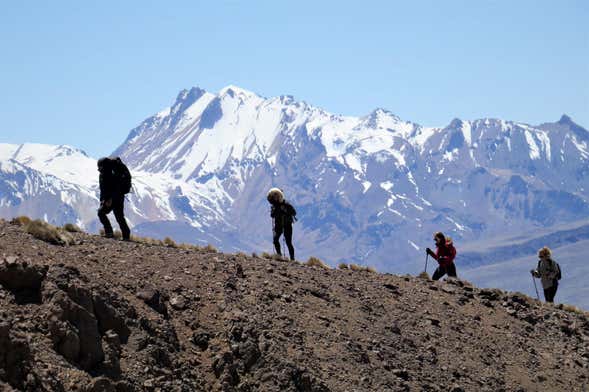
(445, 254)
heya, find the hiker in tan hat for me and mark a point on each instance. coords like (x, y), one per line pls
(548, 271)
(283, 216)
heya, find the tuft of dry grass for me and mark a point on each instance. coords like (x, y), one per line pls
(343, 266)
(423, 275)
(48, 233)
(573, 309)
(70, 227)
(315, 262)
(170, 243)
(241, 254)
(278, 257)
(117, 235)
(358, 268)
(210, 248)
(21, 220)
(266, 255)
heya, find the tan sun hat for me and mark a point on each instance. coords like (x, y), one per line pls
(275, 195)
(544, 252)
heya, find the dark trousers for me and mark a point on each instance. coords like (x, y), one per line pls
(441, 271)
(118, 208)
(287, 229)
(550, 292)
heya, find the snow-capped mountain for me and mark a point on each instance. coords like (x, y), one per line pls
(369, 189)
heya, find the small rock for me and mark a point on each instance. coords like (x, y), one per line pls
(178, 302)
(201, 340)
(11, 259)
(401, 373)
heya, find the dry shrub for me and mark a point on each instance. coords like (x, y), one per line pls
(342, 266)
(315, 262)
(278, 257)
(48, 233)
(241, 254)
(573, 309)
(357, 268)
(210, 248)
(21, 220)
(170, 243)
(117, 235)
(266, 255)
(423, 275)
(72, 228)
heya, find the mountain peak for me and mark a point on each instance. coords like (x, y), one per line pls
(233, 90)
(565, 119)
(189, 96)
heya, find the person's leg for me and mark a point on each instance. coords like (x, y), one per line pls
(119, 211)
(550, 292)
(548, 296)
(451, 270)
(438, 273)
(102, 212)
(288, 238)
(276, 239)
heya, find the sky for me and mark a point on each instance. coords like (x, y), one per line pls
(86, 73)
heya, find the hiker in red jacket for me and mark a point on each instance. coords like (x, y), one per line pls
(445, 253)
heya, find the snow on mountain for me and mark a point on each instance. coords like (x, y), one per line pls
(369, 189)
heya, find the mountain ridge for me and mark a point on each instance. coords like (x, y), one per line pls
(374, 185)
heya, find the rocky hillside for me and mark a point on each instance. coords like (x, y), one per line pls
(104, 315)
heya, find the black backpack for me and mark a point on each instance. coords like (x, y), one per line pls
(123, 175)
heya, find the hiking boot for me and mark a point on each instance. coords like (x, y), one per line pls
(108, 235)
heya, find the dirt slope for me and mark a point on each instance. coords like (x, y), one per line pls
(105, 315)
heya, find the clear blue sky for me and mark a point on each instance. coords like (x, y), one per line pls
(85, 73)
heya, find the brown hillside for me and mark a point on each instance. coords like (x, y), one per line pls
(106, 315)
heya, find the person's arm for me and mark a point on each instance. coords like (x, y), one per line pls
(105, 192)
(431, 253)
(273, 211)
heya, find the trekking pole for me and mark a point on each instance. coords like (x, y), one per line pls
(535, 287)
(426, 256)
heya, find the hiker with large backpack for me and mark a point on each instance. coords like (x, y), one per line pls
(445, 254)
(549, 273)
(115, 183)
(283, 216)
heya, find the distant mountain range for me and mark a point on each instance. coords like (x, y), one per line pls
(369, 190)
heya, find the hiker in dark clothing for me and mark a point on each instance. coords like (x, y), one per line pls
(112, 198)
(548, 271)
(445, 254)
(283, 215)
